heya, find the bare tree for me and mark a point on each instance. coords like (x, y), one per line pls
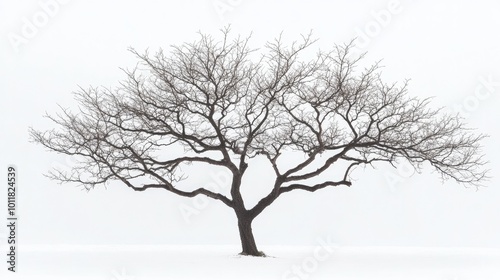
(225, 104)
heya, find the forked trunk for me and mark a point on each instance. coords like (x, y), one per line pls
(247, 240)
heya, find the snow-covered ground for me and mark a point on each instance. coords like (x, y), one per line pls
(325, 261)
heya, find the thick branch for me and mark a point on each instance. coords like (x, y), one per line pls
(313, 188)
(196, 192)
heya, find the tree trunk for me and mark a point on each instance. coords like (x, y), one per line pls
(246, 235)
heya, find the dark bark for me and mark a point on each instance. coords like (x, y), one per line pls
(249, 248)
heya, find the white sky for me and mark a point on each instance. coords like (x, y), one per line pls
(447, 48)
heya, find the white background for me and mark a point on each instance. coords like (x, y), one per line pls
(448, 49)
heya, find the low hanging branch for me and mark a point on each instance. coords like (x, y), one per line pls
(223, 107)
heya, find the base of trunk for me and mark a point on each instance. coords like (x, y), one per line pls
(258, 254)
(249, 248)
